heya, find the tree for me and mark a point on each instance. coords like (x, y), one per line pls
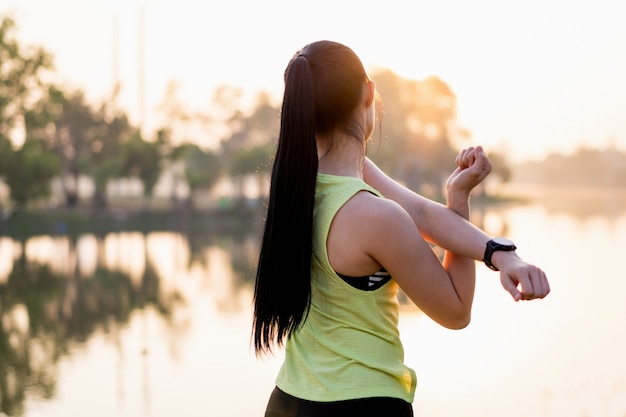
(416, 130)
(141, 159)
(20, 76)
(202, 168)
(106, 159)
(29, 171)
(69, 127)
(254, 161)
(86, 140)
(6, 153)
(186, 162)
(249, 147)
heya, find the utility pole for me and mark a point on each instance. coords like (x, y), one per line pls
(115, 62)
(141, 94)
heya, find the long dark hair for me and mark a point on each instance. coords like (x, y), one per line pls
(323, 86)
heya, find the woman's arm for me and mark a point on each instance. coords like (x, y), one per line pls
(444, 227)
(461, 269)
(443, 292)
(434, 220)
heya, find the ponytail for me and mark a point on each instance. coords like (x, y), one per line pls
(282, 294)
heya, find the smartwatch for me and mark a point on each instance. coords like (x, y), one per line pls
(496, 244)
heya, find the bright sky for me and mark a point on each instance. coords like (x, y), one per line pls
(533, 76)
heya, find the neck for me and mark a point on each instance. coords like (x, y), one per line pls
(346, 157)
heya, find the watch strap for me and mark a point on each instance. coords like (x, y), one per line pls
(493, 246)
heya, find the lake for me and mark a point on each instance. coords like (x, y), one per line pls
(157, 323)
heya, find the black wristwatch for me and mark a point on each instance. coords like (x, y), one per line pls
(495, 244)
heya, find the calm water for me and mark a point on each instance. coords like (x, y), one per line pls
(157, 324)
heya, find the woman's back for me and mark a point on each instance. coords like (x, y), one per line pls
(349, 345)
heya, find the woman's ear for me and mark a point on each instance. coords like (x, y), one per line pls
(370, 92)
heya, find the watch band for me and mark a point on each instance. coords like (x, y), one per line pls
(496, 244)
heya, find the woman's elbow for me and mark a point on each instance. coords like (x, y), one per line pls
(458, 321)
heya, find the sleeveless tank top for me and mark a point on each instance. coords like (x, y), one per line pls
(349, 345)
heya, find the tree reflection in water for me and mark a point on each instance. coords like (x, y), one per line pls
(57, 291)
(60, 293)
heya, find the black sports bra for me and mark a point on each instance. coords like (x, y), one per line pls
(368, 282)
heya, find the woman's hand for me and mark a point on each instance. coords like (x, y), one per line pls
(521, 279)
(473, 166)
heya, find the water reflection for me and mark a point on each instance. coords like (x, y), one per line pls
(154, 321)
(56, 295)
(59, 291)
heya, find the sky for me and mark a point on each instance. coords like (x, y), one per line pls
(530, 77)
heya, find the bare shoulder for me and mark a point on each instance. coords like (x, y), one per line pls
(364, 225)
(375, 211)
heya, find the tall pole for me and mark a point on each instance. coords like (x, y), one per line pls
(141, 68)
(116, 54)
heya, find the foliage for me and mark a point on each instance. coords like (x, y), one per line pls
(6, 151)
(248, 149)
(73, 139)
(141, 159)
(87, 140)
(202, 169)
(29, 171)
(251, 161)
(20, 76)
(416, 130)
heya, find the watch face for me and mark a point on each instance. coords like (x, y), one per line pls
(503, 241)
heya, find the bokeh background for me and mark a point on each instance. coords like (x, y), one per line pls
(135, 144)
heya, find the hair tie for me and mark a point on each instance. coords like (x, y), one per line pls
(305, 56)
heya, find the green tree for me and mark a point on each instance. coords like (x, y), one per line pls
(105, 161)
(189, 163)
(247, 162)
(202, 168)
(142, 159)
(29, 171)
(86, 139)
(69, 127)
(20, 76)
(249, 147)
(6, 152)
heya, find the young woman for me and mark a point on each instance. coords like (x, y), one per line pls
(341, 237)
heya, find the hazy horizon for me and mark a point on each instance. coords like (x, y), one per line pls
(529, 78)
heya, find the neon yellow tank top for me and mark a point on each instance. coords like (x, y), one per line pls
(349, 346)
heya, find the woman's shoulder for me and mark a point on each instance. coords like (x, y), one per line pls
(368, 201)
(371, 210)
(360, 228)
(384, 231)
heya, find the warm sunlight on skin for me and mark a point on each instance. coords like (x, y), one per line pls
(531, 77)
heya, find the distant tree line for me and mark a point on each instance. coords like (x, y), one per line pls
(66, 138)
(585, 167)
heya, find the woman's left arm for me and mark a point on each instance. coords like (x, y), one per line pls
(434, 220)
(446, 228)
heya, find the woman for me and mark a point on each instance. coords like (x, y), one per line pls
(335, 251)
